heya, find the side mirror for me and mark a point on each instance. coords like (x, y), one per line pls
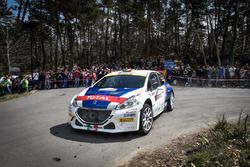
(162, 82)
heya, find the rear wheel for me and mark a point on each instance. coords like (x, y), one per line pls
(170, 104)
(146, 119)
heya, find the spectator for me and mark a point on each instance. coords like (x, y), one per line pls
(41, 80)
(231, 71)
(83, 78)
(59, 79)
(6, 85)
(35, 78)
(70, 79)
(53, 80)
(189, 74)
(24, 85)
(77, 75)
(47, 81)
(15, 85)
(221, 72)
(65, 79)
(93, 77)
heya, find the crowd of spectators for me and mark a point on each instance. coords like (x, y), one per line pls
(181, 74)
(14, 84)
(65, 78)
(210, 75)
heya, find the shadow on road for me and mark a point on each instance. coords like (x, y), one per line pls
(66, 132)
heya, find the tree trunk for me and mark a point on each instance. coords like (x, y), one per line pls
(215, 43)
(25, 10)
(148, 30)
(106, 38)
(232, 48)
(44, 54)
(202, 48)
(225, 32)
(19, 11)
(61, 46)
(120, 33)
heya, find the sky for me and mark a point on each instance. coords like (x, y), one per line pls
(10, 2)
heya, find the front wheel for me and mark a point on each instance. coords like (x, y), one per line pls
(170, 104)
(146, 119)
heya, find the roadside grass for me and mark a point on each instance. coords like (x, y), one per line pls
(226, 144)
(13, 96)
(223, 145)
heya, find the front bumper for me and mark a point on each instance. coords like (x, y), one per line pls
(125, 120)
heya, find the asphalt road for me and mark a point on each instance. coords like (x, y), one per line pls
(34, 132)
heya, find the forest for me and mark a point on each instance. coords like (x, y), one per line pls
(47, 34)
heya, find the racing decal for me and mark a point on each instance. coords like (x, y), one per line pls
(158, 96)
(129, 115)
(126, 120)
(95, 127)
(91, 127)
(88, 126)
(114, 99)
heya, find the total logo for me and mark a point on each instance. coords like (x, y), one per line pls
(104, 98)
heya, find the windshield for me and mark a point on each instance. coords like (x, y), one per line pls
(121, 81)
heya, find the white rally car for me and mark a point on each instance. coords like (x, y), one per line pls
(122, 101)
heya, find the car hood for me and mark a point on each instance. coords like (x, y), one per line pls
(105, 98)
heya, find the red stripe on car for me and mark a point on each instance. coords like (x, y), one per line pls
(102, 98)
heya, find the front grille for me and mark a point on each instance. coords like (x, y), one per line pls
(93, 116)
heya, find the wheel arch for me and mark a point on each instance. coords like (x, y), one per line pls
(149, 102)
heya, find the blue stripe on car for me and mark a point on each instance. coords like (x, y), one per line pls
(95, 104)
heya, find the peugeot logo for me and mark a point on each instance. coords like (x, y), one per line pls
(93, 115)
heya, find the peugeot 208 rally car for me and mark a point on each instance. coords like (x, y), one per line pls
(122, 101)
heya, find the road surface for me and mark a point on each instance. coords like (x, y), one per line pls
(34, 131)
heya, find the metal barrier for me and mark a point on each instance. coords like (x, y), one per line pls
(202, 82)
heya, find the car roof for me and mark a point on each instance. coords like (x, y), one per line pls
(131, 72)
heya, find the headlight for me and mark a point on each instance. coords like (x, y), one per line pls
(132, 101)
(73, 101)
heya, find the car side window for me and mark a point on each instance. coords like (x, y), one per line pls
(161, 78)
(153, 82)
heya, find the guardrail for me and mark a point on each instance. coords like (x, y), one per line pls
(207, 82)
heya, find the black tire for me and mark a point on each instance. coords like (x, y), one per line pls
(170, 104)
(146, 119)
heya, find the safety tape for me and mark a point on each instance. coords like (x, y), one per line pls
(202, 79)
(61, 81)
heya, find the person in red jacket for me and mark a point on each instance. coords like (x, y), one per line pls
(93, 79)
(77, 74)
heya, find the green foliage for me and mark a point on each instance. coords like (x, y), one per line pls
(52, 33)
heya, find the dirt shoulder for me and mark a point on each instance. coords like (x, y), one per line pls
(225, 144)
(173, 154)
(8, 97)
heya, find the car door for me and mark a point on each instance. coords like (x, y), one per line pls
(155, 93)
(162, 92)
